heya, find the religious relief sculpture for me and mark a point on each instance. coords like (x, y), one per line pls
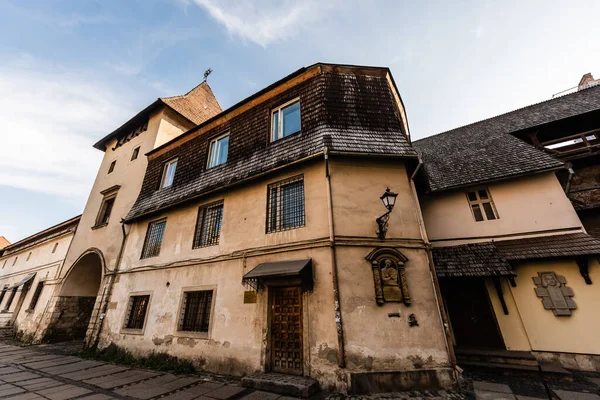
(389, 276)
(555, 295)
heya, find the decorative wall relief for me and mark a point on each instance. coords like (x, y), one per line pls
(389, 276)
(555, 295)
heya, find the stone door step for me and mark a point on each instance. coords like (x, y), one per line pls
(290, 385)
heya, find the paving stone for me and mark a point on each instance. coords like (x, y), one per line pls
(19, 376)
(596, 381)
(183, 395)
(519, 397)
(259, 395)
(492, 387)
(142, 391)
(97, 396)
(78, 366)
(181, 382)
(120, 379)
(225, 392)
(52, 363)
(9, 370)
(39, 384)
(103, 370)
(568, 395)
(64, 392)
(10, 390)
(485, 395)
(27, 396)
(204, 387)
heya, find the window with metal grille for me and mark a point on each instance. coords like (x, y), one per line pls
(36, 295)
(105, 210)
(285, 204)
(136, 312)
(195, 311)
(154, 237)
(208, 225)
(135, 153)
(3, 293)
(482, 205)
(111, 167)
(13, 293)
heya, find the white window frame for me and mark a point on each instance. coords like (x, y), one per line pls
(215, 156)
(164, 174)
(479, 202)
(280, 119)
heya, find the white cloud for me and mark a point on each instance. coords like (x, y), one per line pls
(265, 21)
(49, 120)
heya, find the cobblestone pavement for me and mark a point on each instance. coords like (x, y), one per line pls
(584, 386)
(51, 372)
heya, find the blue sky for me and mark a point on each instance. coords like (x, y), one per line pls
(72, 71)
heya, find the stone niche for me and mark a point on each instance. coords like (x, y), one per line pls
(389, 276)
(555, 294)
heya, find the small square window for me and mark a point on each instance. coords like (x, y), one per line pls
(15, 261)
(105, 209)
(285, 120)
(154, 237)
(111, 167)
(482, 205)
(36, 295)
(135, 153)
(285, 204)
(195, 311)
(208, 225)
(28, 256)
(4, 265)
(168, 173)
(54, 248)
(219, 147)
(136, 312)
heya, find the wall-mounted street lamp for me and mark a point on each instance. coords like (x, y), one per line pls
(389, 200)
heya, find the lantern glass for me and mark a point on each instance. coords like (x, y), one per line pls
(389, 199)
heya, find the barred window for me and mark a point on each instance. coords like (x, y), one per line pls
(36, 295)
(136, 312)
(10, 298)
(482, 205)
(195, 311)
(285, 204)
(3, 293)
(154, 237)
(208, 225)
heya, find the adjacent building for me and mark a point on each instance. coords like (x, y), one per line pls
(30, 270)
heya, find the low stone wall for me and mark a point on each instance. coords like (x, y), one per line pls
(6, 332)
(579, 362)
(70, 318)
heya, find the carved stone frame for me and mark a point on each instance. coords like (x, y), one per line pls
(397, 284)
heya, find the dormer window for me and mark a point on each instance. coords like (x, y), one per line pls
(219, 148)
(168, 173)
(285, 120)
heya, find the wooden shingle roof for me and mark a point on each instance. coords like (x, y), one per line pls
(197, 105)
(569, 245)
(486, 150)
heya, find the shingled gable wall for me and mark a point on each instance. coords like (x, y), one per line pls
(348, 112)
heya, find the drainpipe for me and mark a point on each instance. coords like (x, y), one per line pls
(334, 274)
(100, 318)
(570, 178)
(435, 283)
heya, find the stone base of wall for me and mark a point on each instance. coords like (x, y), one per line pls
(6, 332)
(69, 319)
(364, 383)
(579, 362)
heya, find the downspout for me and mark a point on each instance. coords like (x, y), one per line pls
(109, 290)
(435, 283)
(334, 273)
(569, 179)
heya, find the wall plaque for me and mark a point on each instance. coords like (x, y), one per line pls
(555, 295)
(249, 297)
(389, 276)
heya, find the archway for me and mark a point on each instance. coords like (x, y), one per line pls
(75, 302)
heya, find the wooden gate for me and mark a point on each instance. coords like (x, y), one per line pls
(286, 330)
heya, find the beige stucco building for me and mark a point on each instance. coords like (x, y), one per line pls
(30, 273)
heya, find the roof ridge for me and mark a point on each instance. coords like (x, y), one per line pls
(184, 95)
(506, 113)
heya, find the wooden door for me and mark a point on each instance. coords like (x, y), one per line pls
(471, 315)
(286, 330)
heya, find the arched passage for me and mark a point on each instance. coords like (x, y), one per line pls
(77, 296)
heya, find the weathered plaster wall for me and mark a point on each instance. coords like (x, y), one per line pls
(532, 204)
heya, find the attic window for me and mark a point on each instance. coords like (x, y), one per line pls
(482, 205)
(168, 173)
(219, 148)
(135, 153)
(285, 120)
(111, 168)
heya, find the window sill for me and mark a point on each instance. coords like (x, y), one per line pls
(271, 141)
(5, 312)
(205, 246)
(192, 335)
(285, 229)
(29, 310)
(127, 331)
(99, 226)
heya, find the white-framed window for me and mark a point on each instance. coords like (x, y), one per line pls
(482, 205)
(218, 149)
(285, 120)
(168, 173)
